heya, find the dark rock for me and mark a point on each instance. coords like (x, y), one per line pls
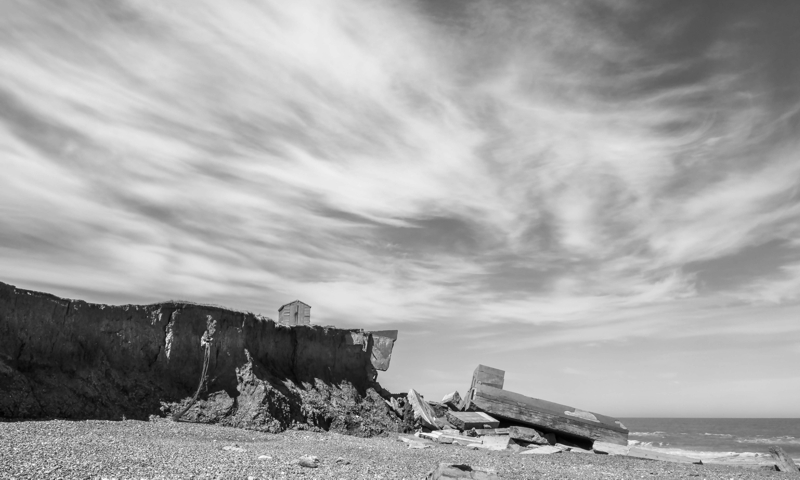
(446, 472)
(308, 461)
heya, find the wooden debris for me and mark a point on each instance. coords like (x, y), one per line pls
(526, 434)
(547, 415)
(664, 457)
(783, 461)
(468, 420)
(543, 450)
(461, 472)
(452, 400)
(422, 410)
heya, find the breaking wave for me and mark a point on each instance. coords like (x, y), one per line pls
(647, 434)
(784, 440)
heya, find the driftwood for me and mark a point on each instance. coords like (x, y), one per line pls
(783, 462)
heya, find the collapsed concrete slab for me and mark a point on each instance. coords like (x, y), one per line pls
(64, 358)
(487, 395)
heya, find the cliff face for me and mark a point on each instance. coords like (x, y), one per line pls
(72, 359)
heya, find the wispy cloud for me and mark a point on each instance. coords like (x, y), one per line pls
(498, 163)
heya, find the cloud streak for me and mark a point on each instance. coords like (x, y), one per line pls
(499, 164)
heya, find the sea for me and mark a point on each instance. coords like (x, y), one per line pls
(707, 437)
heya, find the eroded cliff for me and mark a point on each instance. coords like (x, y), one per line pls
(71, 359)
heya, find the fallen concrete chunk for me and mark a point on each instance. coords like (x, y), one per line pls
(492, 377)
(422, 411)
(465, 401)
(637, 452)
(468, 420)
(447, 472)
(610, 448)
(495, 442)
(439, 409)
(547, 415)
(526, 434)
(382, 345)
(572, 448)
(452, 400)
(543, 450)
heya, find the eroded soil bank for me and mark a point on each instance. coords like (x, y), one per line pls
(71, 359)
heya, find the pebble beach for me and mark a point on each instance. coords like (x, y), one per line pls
(161, 449)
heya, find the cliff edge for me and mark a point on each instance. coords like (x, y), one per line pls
(71, 359)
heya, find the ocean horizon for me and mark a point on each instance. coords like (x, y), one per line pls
(706, 437)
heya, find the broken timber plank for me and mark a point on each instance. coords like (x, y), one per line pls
(467, 420)
(571, 448)
(783, 461)
(546, 415)
(422, 410)
(664, 457)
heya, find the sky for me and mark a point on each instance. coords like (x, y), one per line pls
(599, 197)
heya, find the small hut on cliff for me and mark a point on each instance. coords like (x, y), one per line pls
(295, 313)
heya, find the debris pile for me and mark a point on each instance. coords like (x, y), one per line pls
(487, 412)
(488, 417)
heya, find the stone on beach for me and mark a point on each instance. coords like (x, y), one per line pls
(447, 471)
(308, 461)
